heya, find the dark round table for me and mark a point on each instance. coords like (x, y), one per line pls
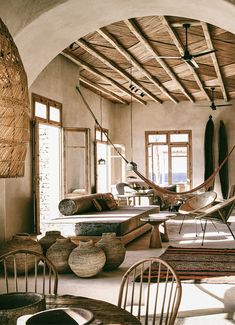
(103, 311)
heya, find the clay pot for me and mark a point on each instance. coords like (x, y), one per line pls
(49, 239)
(21, 241)
(58, 253)
(86, 260)
(114, 250)
(17, 304)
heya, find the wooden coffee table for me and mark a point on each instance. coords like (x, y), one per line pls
(155, 220)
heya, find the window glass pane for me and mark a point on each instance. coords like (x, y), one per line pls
(160, 164)
(98, 135)
(157, 138)
(54, 114)
(182, 137)
(179, 165)
(104, 136)
(40, 110)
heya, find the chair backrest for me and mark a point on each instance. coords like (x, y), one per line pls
(221, 211)
(120, 188)
(27, 271)
(151, 290)
(231, 191)
(197, 202)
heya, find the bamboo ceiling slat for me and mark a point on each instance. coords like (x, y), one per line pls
(228, 70)
(230, 83)
(140, 52)
(163, 77)
(96, 90)
(154, 31)
(95, 39)
(121, 31)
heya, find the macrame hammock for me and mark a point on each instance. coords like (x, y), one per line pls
(165, 195)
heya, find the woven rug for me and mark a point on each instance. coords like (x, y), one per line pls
(199, 265)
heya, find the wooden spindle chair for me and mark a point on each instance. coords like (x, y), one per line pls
(27, 271)
(151, 290)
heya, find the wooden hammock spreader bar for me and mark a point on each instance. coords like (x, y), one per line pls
(158, 189)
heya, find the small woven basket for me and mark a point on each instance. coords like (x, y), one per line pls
(14, 108)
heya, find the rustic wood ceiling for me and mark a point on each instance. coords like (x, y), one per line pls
(121, 61)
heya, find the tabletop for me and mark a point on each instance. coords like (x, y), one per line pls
(161, 215)
(106, 312)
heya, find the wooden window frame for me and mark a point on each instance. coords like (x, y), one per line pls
(87, 158)
(48, 102)
(103, 130)
(170, 145)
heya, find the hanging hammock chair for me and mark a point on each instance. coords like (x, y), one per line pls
(165, 195)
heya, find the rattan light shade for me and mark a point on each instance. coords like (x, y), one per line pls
(14, 108)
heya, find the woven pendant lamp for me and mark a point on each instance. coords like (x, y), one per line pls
(14, 108)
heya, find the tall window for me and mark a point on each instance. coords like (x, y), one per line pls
(47, 159)
(169, 156)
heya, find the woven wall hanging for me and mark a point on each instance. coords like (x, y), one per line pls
(14, 108)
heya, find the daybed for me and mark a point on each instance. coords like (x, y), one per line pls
(88, 223)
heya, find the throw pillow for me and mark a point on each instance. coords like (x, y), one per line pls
(110, 201)
(103, 204)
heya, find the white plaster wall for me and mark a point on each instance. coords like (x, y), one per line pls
(170, 116)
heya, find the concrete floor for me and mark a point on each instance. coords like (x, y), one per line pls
(201, 303)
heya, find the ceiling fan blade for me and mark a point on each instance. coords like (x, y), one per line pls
(192, 63)
(197, 55)
(223, 105)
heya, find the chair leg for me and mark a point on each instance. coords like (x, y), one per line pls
(181, 224)
(201, 224)
(215, 226)
(230, 230)
(204, 231)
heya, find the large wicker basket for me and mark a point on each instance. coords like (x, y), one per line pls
(14, 108)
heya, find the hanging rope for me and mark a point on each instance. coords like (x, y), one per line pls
(161, 192)
(96, 121)
(131, 115)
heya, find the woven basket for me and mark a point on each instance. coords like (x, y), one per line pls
(14, 108)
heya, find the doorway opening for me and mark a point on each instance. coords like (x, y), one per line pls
(46, 161)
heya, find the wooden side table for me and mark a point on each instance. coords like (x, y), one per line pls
(155, 220)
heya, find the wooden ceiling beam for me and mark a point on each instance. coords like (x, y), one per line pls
(99, 74)
(116, 44)
(92, 51)
(102, 89)
(180, 47)
(214, 59)
(135, 29)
